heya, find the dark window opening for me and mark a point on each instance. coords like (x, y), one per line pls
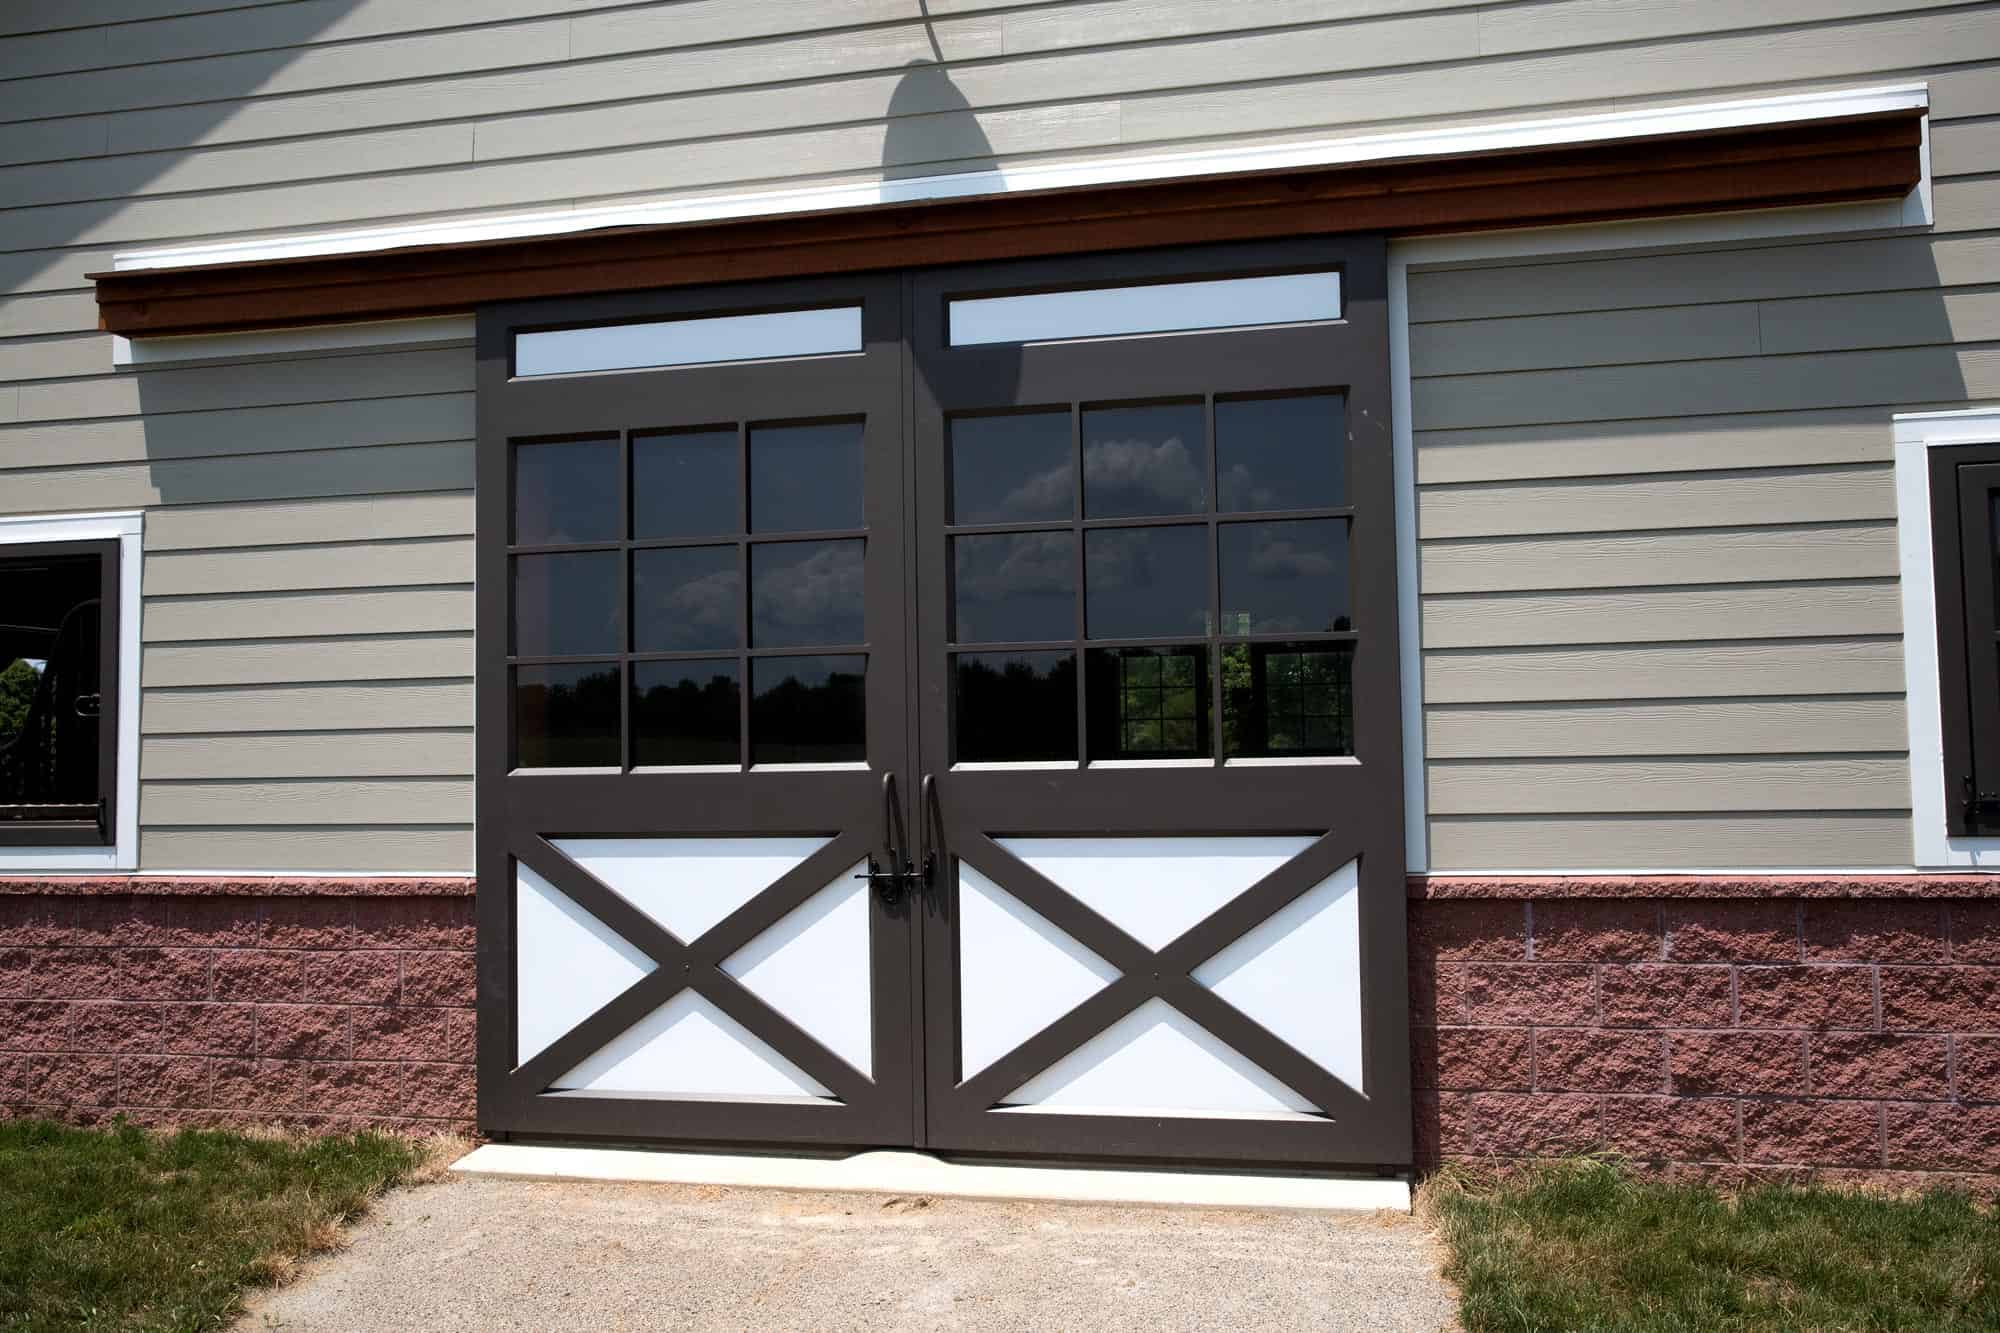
(1965, 532)
(58, 693)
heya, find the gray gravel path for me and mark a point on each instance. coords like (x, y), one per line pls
(491, 1254)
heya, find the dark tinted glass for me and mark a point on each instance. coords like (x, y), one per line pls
(808, 710)
(1280, 453)
(1143, 583)
(566, 491)
(1014, 706)
(50, 669)
(685, 597)
(566, 716)
(567, 604)
(1287, 699)
(1012, 469)
(806, 593)
(686, 713)
(1148, 703)
(1285, 578)
(685, 484)
(1019, 586)
(805, 478)
(1151, 459)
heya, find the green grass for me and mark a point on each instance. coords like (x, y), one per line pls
(125, 1229)
(1583, 1246)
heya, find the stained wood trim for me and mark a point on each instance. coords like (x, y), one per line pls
(1832, 161)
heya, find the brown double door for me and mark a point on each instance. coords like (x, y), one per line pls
(894, 731)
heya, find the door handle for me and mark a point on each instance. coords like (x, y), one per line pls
(927, 817)
(901, 876)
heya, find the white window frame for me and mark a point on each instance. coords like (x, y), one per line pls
(1917, 433)
(128, 530)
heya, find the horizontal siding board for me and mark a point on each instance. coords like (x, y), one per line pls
(343, 754)
(56, 356)
(1582, 23)
(1752, 62)
(308, 614)
(1712, 499)
(383, 802)
(1644, 842)
(354, 707)
(351, 849)
(1762, 273)
(54, 312)
(1599, 338)
(390, 469)
(1735, 555)
(1887, 319)
(299, 522)
(339, 565)
(1668, 785)
(1662, 671)
(359, 424)
(287, 660)
(1829, 724)
(1698, 444)
(309, 379)
(1790, 610)
(1746, 384)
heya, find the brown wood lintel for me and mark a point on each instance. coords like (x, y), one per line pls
(1823, 162)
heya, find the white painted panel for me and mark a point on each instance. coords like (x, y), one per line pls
(1298, 974)
(688, 884)
(1017, 973)
(1156, 307)
(567, 964)
(1154, 889)
(1157, 1061)
(689, 1048)
(813, 967)
(688, 342)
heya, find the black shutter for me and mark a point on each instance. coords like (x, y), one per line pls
(1965, 491)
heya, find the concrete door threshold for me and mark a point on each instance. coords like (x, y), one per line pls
(887, 1172)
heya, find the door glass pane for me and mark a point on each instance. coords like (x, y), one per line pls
(805, 478)
(686, 713)
(685, 342)
(1014, 587)
(1144, 583)
(808, 710)
(566, 491)
(685, 484)
(1287, 699)
(1147, 459)
(567, 604)
(1148, 703)
(1014, 706)
(1280, 453)
(805, 594)
(1285, 578)
(1152, 307)
(685, 597)
(566, 716)
(1012, 469)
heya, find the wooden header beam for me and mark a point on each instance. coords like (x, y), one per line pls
(1875, 156)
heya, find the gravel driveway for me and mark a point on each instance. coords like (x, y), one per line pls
(484, 1253)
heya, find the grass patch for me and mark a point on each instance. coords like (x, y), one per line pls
(122, 1228)
(1581, 1246)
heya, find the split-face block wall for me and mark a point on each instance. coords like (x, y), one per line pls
(1660, 603)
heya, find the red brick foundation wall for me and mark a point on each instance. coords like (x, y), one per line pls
(330, 1003)
(1710, 1034)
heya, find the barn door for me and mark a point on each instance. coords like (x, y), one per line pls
(692, 710)
(1158, 711)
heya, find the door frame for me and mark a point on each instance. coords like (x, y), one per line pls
(521, 812)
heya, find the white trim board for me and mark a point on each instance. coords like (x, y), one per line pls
(265, 344)
(128, 530)
(1124, 168)
(885, 1172)
(1917, 433)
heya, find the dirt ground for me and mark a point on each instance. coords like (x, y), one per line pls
(486, 1254)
